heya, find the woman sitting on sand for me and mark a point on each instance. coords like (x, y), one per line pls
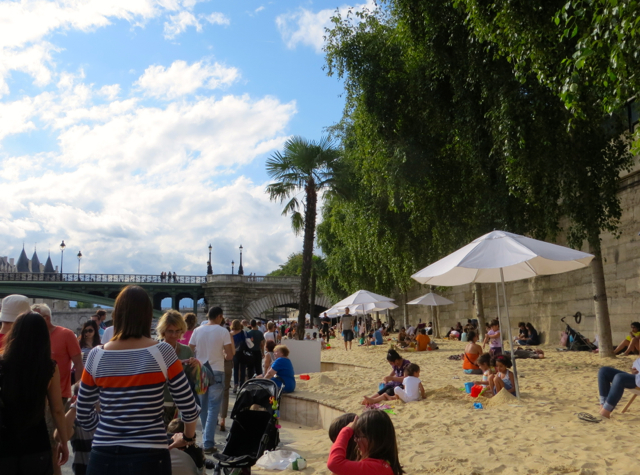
(532, 338)
(612, 383)
(631, 344)
(394, 379)
(471, 353)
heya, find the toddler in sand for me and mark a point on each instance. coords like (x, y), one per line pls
(375, 438)
(504, 377)
(413, 389)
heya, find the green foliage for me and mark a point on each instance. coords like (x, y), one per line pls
(446, 141)
(85, 305)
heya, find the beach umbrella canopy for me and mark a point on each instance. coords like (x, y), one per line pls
(361, 297)
(431, 299)
(502, 257)
(378, 306)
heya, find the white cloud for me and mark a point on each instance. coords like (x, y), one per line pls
(143, 189)
(259, 9)
(179, 23)
(25, 24)
(216, 18)
(308, 28)
(181, 78)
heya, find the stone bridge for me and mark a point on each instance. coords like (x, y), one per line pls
(240, 296)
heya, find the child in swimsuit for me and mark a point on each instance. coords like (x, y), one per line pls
(484, 363)
(503, 378)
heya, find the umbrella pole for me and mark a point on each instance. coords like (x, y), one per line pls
(513, 356)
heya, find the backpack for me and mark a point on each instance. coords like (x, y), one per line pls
(244, 351)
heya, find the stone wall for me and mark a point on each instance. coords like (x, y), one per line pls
(544, 300)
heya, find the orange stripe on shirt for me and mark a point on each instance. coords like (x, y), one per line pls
(87, 378)
(174, 369)
(128, 381)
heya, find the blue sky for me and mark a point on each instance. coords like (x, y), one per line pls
(137, 130)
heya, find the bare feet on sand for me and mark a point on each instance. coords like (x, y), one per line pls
(605, 413)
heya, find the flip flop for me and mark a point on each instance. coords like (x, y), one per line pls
(584, 416)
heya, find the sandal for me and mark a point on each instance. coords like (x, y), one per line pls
(584, 416)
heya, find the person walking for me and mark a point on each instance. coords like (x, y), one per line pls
(29, 377)
(88, 339)
(65, 350)
(12, 306)
(212, 345)
(258, 349)
(347, 328)
(127, 377)
(239, 366)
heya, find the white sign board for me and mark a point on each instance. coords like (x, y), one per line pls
(304, 355)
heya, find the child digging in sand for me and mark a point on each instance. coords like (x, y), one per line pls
(375, 437)
(413, 389)
(504, 377)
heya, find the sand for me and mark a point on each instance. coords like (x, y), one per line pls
(540, 434)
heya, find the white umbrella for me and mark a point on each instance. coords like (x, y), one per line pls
(378, 306)
(430, 299)
(362, 296)
(502, 257)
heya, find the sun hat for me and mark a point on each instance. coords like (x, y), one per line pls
(12, 306)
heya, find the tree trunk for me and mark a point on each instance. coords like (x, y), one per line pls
(479, 309)
(405, 311)
(312, 300)
(603, 324)
(307, 253)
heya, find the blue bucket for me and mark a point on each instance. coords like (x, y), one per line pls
(467, 387)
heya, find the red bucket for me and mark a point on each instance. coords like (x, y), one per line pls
(476, 390)
(305, 377)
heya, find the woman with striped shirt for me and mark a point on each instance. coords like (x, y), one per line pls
(127, 377)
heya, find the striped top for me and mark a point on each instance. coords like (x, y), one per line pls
(129, 385)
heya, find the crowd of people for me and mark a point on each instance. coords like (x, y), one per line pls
(118, 392)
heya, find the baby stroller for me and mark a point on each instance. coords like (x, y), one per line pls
(253, 430)
(575, 340)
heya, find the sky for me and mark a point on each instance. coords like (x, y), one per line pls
(137, 130)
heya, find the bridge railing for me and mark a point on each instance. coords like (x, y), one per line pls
(107, 278)
(252, 279)
(142, 278)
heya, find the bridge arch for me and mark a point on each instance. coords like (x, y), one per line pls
(289, 299)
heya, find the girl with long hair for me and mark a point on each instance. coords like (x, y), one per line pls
(28, 376)
(375, 438)
(89, 338)
(127, 377)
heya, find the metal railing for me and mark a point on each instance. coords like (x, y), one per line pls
(143, 279)
(106, 278)
(252, 278)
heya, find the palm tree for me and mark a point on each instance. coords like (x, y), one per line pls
(307, 166)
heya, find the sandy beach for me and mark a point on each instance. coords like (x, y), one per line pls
(540, 434)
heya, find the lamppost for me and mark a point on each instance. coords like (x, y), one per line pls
(79, 257)
(62, 246)
(209, 268)
(232, 263)
(240, 269)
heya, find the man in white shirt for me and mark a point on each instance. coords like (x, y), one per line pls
(107, 335)
(411, 330)
(212, 344)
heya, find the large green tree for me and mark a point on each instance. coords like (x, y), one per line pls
(586, 53)
(310, 167)
(449, 141)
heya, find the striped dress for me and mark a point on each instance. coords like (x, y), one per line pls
(129, 385)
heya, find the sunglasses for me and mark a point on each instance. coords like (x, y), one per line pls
(90, 330)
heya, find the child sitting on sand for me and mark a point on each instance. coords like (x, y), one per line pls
(504, 377)
(375, 437)
(413, 389)
(484, 363)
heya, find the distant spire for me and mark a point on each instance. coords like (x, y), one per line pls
(23, 261)
(35, 262)
(48, 267)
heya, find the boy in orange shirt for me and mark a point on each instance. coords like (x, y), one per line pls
(423, 340)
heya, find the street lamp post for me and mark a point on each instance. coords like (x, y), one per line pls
(232, 263)
(240, 269)
(79, 257)
(62, 246)
(209, 268)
